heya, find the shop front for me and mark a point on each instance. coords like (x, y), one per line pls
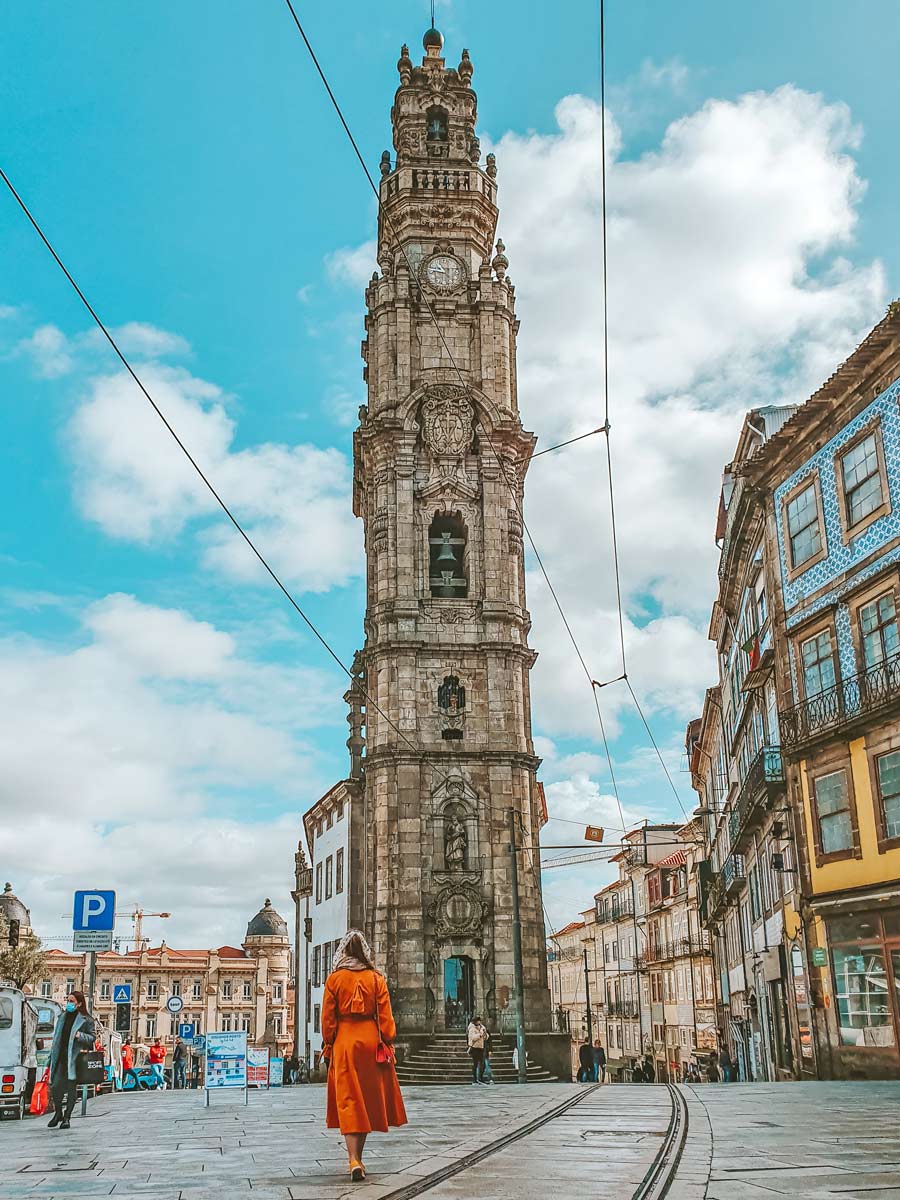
(863, 992)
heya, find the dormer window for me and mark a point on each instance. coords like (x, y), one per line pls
(438, 125)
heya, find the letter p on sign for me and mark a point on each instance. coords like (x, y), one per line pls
(94, 910)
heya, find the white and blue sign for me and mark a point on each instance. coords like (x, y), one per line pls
(122, 993)
(199, 1042)
(94, 910)
(186, 1031)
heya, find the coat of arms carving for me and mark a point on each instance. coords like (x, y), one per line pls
(447, 416)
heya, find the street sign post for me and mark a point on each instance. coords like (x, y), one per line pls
(174, 1004)
(93, 921)
(94, 910)
(122, 993)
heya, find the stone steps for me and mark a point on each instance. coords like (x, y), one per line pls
(444, 1061)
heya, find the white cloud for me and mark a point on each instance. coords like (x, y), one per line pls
(353, 264)
(49, 351)
(8, 311)
(136, 484)
(729, 286)
(141, 339)
(157, 750)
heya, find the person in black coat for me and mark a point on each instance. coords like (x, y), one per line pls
(75, 1031)
(585, 1063)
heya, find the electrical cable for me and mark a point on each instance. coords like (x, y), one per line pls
(417, 751)
(514, 493)
(560, 445)
(606, 425)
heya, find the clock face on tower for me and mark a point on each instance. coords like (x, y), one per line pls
(443, 272)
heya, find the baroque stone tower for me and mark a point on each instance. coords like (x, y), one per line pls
(446, 652)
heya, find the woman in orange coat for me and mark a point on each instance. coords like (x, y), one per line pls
(363, 1094)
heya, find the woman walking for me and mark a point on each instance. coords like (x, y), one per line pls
(75, 1031)
(357, 1032)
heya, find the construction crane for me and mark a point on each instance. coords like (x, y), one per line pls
(137, 915)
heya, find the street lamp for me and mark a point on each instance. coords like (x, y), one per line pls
(303, 887)
(587, 988)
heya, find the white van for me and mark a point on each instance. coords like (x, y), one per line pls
(18, 1038)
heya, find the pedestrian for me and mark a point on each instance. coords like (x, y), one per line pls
(128, 1066)
(158, 1062)
(179, 1064)
(487, 1074)
(726, 1065)
(74, 1033)
(599, 1062)
(712, 1069)
(585, 1063)
(649, 1072)
(476, 1036)
(358, 1033)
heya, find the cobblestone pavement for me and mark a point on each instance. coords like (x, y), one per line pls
(745, 1142)
(826, 1141)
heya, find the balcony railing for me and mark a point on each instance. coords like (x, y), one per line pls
(763, 781)
(623, 1008)
(855, 697)
(656, 952)
(733, 873)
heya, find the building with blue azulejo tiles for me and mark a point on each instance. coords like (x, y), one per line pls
(828, 483)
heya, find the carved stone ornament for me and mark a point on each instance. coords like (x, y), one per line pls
(458, 911)
(452, 613)
(447, 418)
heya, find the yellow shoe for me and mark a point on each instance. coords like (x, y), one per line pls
(357, 1171)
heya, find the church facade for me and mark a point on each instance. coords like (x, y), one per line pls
(443, 763)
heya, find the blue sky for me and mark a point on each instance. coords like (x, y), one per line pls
(186, 164)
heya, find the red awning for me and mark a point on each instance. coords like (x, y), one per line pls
(677, 859)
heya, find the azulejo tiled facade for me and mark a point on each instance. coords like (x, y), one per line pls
(843, 556)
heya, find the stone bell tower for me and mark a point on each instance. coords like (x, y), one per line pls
(446, 651)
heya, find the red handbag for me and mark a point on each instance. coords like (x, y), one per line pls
(40, 1096)
(384, 1054)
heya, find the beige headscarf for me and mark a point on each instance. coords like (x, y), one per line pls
(343, 961)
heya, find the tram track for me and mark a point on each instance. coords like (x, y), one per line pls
(654, 1185)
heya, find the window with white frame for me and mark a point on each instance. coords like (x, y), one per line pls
(176, 987)
(151, 1027)
(277, 991)
(197, 989)
(248, 989)
(226, 989)
(46, 989)
(152, 989)
(104, 989)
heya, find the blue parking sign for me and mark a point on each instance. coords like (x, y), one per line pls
(186, 1031)
(94, 910)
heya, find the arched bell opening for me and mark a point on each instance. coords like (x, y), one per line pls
(447, 572)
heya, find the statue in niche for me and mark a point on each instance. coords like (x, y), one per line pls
(451, 696)
(456, 844)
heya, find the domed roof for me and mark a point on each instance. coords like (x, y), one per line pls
(267, 923)
(13, 908)
(433, 37)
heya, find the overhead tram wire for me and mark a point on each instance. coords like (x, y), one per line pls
(417, 751)
(606, 426)
(464, 384)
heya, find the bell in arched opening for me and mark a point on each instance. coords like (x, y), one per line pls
(447, 565)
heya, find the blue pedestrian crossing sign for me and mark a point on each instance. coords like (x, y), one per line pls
(186, 1031)
(122, 993)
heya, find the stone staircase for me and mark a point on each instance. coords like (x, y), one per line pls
(443, 1060)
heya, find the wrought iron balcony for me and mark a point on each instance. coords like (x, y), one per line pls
(763, 782)
(623, 1008)
(849, 702)
(733, 873)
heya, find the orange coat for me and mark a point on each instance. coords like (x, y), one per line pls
(362, 1094)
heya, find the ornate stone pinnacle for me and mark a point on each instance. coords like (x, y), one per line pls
(500, 261)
